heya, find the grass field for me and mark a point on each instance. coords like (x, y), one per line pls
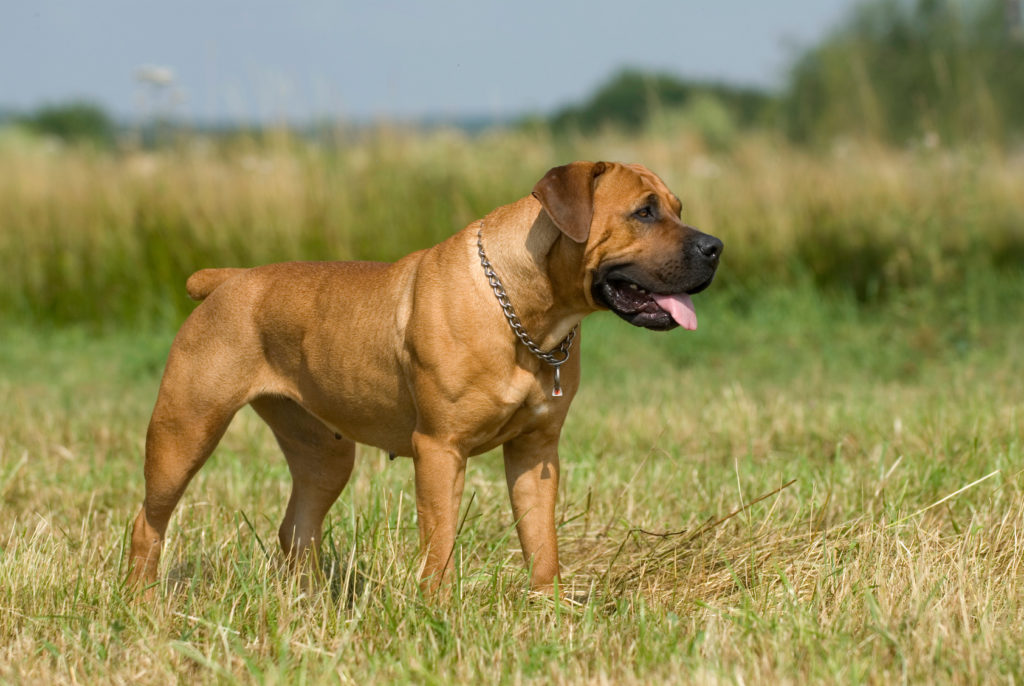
(872, 395)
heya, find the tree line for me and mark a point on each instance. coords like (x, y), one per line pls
(896, 70)
(901, 71)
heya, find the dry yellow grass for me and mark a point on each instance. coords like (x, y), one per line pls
(838, 577)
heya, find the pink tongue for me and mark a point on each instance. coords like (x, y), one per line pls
(680, 307)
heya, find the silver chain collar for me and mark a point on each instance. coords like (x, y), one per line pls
(555, 357)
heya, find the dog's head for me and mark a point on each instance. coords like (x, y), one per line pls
(639, 259)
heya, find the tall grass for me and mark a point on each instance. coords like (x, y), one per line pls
(104, 238)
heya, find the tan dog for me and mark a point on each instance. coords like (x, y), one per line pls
(419, 359)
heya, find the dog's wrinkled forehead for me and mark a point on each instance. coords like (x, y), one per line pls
(572, 195)
(645, 181)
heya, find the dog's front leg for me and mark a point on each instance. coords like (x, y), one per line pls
(531, 470)
(440, 476)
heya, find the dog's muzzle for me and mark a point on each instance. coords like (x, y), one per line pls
(659, 298)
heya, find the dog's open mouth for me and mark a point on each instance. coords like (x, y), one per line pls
(642, 307)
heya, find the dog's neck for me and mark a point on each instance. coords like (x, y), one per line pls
(537, 270)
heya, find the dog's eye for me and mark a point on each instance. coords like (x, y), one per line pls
(644, 212)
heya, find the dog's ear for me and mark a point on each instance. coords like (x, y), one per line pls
(567, 195)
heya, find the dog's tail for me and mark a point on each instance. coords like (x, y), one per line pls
(205, 281)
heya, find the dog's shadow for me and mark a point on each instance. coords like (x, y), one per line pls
(346, 581)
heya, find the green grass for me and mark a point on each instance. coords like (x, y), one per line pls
(873, 412)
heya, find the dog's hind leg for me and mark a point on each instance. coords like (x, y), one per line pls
(188, 421)
(320, 463)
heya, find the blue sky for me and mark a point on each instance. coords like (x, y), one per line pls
(259, 60)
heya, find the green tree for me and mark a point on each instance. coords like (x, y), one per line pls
(74, 122)
(631, 98)
(901, 69)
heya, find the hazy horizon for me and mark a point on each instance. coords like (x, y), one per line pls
(459, 60)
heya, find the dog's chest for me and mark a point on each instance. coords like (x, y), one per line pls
(526, 408)
(531, 414)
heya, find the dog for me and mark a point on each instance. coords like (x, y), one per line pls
(447, 353)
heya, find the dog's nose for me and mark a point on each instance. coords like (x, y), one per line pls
(709, 247)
